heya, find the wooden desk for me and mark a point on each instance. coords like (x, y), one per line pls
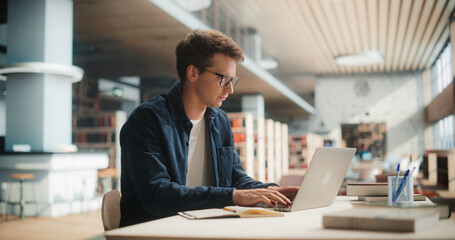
(295, 225)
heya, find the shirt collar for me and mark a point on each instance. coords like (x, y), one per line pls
(176, 105)
(210, 113)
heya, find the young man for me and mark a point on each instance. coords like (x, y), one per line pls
(178, 150)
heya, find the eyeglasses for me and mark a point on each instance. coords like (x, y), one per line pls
(226, 79)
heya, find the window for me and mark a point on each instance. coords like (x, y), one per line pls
(443, 133)
(441, 72)
(441, 77)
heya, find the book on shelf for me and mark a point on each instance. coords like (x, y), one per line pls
(444, 211)
(95, 120)
(366, 189)
(230, 212)
(385, 198)
(378, 219)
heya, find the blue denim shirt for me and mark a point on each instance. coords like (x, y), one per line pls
(154, 143)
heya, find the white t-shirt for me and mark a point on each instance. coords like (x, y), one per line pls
(200, 168)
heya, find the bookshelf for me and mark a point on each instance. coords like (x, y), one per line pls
(99, 131)
(439, 168)
(301, 149)
(259, 149)
(262, 145)
(85, 96)
(270, 150)
(242, 129)
(285, 149)
(281, 150)
(366, 137)
(278, 150)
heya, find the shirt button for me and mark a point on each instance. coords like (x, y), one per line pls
(187, 143)
(188, 123)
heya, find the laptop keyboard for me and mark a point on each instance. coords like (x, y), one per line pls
(277, 207)
(282, 208)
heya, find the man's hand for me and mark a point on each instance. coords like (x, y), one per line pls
(269, 196)
(288, 191)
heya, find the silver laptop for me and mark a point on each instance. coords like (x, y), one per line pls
(323, 179)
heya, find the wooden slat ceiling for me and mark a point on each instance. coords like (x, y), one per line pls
(306, 35)
(137, 38)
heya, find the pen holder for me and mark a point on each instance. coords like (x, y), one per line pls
(407, 193)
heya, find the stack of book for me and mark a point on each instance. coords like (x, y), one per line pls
(373, 192)
(382, 217)
(378, 219)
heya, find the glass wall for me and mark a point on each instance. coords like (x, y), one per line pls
(441, 77)
(443, 133)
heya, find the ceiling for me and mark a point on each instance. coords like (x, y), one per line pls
(122, 38)
(306, 35)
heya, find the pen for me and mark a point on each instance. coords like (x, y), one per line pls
(400, 188)
(407, 179)
(230, 210)
(394, 189)
(412, 171)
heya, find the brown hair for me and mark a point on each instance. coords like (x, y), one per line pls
(198, 48)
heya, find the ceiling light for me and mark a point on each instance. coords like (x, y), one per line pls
(73, 73)
(268, 63)
(194, 5)
(366, 58)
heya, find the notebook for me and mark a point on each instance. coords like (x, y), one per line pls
(322, 180)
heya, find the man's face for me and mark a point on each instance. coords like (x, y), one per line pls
(208, 88)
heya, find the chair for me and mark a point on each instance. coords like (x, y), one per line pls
(110, 209)
(107, 179)
(21, 177)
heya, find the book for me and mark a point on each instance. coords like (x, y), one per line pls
(230, 212)
(379, 219)
(366, 189)
(445, 211)
(385, 198)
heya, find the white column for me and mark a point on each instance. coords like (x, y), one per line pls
(261, 149)
(253, 104)
(38, 106)
(270, 132)
(249, 143)
(285, 149)
(278, 160)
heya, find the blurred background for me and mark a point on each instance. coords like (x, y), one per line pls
(375, 75)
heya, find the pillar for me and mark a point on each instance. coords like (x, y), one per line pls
(38, 106)
(253, 103)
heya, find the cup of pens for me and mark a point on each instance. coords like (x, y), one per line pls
(400, 189)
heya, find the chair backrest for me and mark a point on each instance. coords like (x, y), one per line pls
(110, 209)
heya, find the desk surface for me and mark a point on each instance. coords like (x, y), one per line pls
(295, 225)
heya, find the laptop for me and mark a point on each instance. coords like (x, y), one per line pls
(322, 180)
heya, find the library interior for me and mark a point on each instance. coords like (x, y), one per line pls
(373, 75)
